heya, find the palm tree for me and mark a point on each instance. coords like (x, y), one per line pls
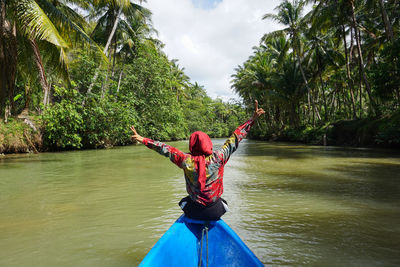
(178, 81)
(108, 14)
(196, 91)
(132, 32)
(8, 55)
(360, 58)
(330, 17)
(321, 56)
(50, 28)
(290, 15)
(380, 5)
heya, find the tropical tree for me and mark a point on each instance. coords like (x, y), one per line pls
(290, 15)
(345, 53)
(50, 28)
(178, 81)
(114, 16)
(8, 57)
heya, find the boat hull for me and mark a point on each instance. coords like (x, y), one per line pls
(185, 244)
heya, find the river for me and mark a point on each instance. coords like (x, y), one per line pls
(293, 205)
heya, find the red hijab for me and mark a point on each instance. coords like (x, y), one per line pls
(200, 146)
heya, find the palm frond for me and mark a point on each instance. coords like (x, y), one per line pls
(37, 24)
(68, 26)
(55, 60)
(271, 16)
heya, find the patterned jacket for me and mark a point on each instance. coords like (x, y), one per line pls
(215, 163)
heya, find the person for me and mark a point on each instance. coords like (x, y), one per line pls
(203, 168)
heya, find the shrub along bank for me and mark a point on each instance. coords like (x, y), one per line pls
(148, 90)
(382, 132)
(68, 127)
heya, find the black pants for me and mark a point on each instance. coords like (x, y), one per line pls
(197, 211)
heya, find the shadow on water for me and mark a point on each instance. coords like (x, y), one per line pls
(298, 151)
(375, 181)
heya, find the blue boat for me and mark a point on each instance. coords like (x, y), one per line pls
(191, 242)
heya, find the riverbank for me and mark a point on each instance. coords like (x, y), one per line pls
(16, 136)
(381, 132)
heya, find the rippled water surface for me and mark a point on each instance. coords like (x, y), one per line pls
(293, 205)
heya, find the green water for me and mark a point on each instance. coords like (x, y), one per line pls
(293, 205)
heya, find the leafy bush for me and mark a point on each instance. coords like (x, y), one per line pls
(107, 122)
(62, 123)
(144, 98)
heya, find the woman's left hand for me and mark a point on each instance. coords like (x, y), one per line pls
(258, 111)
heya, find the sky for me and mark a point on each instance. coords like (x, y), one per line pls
(210, 38)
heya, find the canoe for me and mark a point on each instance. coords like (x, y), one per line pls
(191, 242)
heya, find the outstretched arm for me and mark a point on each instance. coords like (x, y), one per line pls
(175, 155)
(232, 143)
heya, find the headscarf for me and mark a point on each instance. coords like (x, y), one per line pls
(200, 146)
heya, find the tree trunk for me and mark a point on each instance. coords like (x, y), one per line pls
(8, 61)
(27, 96)
(110, 69)
(349, 80)
(294, 115)
(389, 35)
(42, 73)
(3, 68)
(388, 26)
(348, 59)
(332, 110)
(104, 84)
(309, 93)
(119, 81)
(360, 97)
(361, 61)
(322, 90)
(114, 56)
(105, 51)
(351, 45)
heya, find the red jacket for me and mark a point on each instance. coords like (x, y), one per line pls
(213, 188)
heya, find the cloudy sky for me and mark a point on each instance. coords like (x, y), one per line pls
(211, 37)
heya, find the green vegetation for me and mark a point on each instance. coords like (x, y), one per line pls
(334, 71)
(18, 137)
(84, 81)
(333, 74)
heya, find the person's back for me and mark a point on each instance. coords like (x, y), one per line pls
(203, 169)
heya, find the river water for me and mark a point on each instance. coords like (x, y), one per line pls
(293, 205)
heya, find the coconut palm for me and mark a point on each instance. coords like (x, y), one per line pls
(50, 28)
(332, 18)
(8, 55)
(178, 81)
(361, 59)
(290, 15)
(112, 16)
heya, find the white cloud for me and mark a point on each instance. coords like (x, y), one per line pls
(210, 43)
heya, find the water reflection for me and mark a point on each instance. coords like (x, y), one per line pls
(292, 204)
(318, 206)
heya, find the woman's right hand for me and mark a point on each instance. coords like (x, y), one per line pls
(135, 137)
(258, 111)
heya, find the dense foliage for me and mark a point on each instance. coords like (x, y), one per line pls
(88, 79)
(341, 61)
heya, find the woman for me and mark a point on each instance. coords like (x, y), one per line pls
(203, 169)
